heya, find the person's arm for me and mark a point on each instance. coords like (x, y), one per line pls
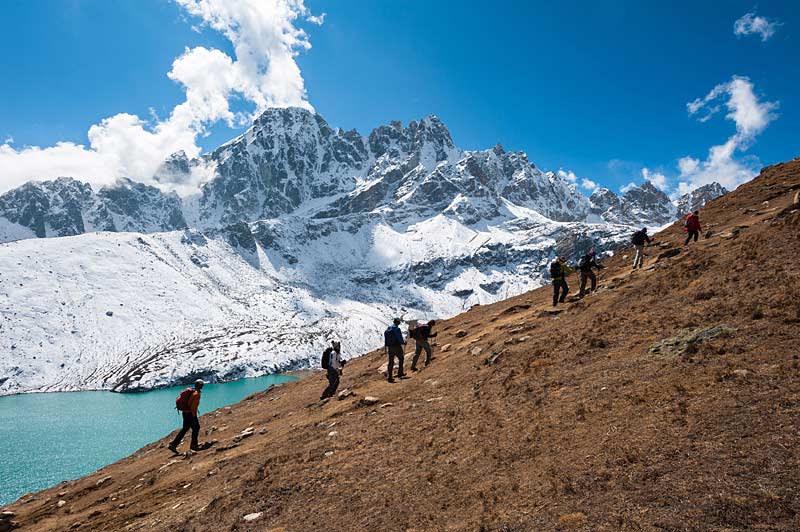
(399, 334)
(432, 335)
(194, 403)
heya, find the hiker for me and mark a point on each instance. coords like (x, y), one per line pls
(333, 363)
(638, 240)
(692, 227)
(559, 269)
(420, 334)
(188, 402)
(585, 266)
(394, 342)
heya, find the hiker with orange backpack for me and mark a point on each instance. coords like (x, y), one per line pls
(420, 334)
(333, 363)
(187, 403)
(692, 227)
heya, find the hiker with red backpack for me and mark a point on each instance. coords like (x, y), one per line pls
(559, 269)
(692, 227)
(187, 403)
(420, 334)
(393, 341)
(333, 363)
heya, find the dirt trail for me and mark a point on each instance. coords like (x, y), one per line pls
(668, 400)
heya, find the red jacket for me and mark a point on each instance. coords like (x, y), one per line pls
(692, 223)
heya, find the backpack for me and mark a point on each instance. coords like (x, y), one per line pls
(585, 263)
(326, 358)
(389, 339)
(416, 332)
(555, 269)
(182, 401)
(638, 238)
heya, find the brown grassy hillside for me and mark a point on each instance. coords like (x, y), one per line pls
(669, 400)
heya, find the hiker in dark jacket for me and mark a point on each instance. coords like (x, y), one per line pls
(190, 420)
(692, 227)
(394, 342)
(639, 239)
(559, 270)
(585, 266)
(421, 334)
(334, 366)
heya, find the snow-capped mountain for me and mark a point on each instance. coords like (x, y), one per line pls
(699, 197)
(66, 207)
(304, 233)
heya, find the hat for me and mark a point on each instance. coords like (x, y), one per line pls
(199, 383)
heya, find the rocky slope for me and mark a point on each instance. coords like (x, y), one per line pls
(302, 227)
(662, 402)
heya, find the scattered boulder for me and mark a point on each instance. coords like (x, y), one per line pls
(61, 503)
(255, 516)
(551, 311)
(386, 405)
(109, 313)
(709, 233)
(461, 334)
(476, 351)
(491, 359)
(369, 401)
(445, 348)
(668, 254)
(246, 433)
(103, 481)
(686, 341)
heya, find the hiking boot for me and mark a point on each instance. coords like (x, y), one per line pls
(173, 448)
(403, 376)
(195, 448)
(390, 381)
(415, 369)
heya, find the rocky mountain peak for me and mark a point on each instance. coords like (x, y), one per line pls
(699, 197)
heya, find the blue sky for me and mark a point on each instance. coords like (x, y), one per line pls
(598, 89)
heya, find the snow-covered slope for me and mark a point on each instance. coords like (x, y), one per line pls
(304, 233)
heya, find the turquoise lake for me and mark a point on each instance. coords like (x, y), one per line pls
(49, 437)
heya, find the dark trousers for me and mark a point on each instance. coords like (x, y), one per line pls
(190, 421)
(428, 353)
(333, 383)
(690, 234)
(395, 351)
(586, 276)
(560, 285)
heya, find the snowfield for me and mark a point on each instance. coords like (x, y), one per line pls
(127, 311)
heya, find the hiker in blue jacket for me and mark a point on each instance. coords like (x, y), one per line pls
(394, 342)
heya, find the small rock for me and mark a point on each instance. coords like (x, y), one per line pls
(109, 313)
(103, 481)
(76, 525)
(461, 334)
(62, 493)
(369, 400)
(434, 399)
(263, 430)
(253, 517)
(333, 434)
(61, 503)
(523, 339)
(328, 453)
(709, 233)
(175, 506)
(741, 373)
(7, 515)
(344, 394)
(476, 351)
(445, 347)
(386, 405)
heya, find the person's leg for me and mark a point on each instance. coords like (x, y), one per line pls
(390, 367)
(696, 235)
(333, 383)
(564, 291)
(195, 431)
(428, 353)
(186, 425)
(414, 360)
(688, 238)
(400, 359)
(556, 288)
(584, 278)
(593, 278)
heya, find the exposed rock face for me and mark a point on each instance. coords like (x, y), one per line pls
(642, 205)
(699, 197)
(67, 207)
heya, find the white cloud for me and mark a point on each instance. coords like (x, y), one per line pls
(263, 72)
(318, 20)
(629, 186)
(752, 24)
(590, 185)
(569, 175)
(750, 115)
(658, 179)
